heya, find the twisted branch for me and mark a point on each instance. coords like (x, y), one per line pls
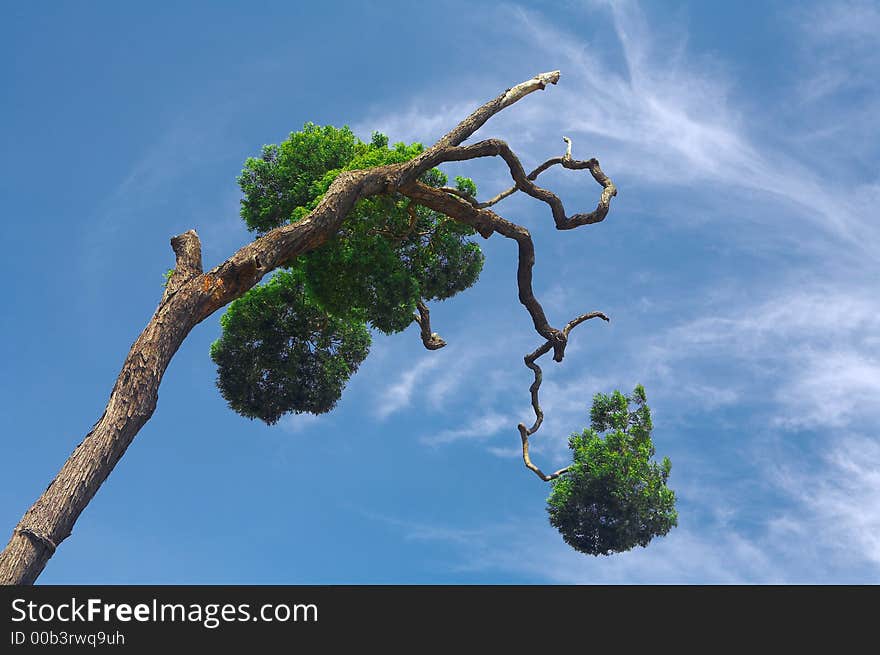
(498, 148)
(431, 340)
(529, 360)
(531, 176)
(465, 209)
(486, 222)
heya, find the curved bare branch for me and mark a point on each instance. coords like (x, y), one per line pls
(431, 340)
(410, 171)
(525, 183)
(486, 222)
(529, 360)
(535, 173)
(478, 118)
(528, 460)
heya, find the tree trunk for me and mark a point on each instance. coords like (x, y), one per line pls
(131, 404)
(189, 298)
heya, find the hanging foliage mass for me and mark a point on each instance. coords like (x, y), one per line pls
(613, 497)
(389, 255)
(280, 352)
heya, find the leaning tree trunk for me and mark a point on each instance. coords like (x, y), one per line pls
(132, 401)
(191, 296)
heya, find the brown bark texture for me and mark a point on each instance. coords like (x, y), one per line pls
(192, 295)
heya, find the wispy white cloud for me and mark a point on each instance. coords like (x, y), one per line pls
(802, 356)
(834, 390)
(297, 423)
(667, 120)
(812, 351)
(838, 501)
(844, 41)
(157, 187)
(457, 372)
(857, 21)
(480, 428)
(467, 367)
(529, 547)
(399, 395)
(424, 121)
(508, 452)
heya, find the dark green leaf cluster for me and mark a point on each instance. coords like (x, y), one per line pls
(613, 497)
(387, 255)
(281, 353)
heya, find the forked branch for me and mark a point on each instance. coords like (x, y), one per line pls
(486, 222)
(461, 207)
(525, 183)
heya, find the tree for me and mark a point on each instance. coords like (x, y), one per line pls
(354, 234)
(613, 497)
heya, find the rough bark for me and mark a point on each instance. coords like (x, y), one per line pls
(192, 295)
(431, 340)
(529, 360)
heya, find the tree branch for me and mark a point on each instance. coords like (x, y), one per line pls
(478, 118)
(529, 359)
(466, 128)
(188, 253)
(498, 148)
(528, 460)
(486, 222)
(565, 160)
(431, 340)
(461, 194)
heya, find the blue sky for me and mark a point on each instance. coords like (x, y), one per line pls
(739, 265)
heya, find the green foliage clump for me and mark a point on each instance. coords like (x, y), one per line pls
(281, 353)
(388, 254)
(281, 179)
(613, 497)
